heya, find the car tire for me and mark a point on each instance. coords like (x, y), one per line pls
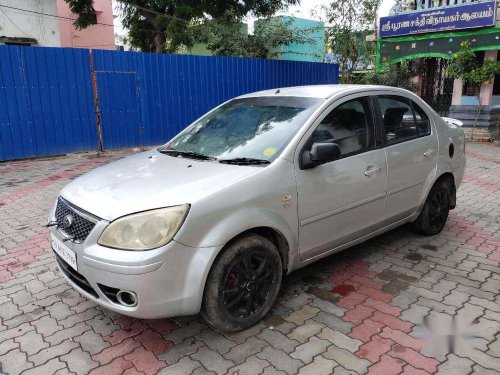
(242, 284)
(435, 211)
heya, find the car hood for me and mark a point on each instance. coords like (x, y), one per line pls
(149, 180)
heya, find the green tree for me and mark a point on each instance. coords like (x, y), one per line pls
(397, 75)
(351, 21)
(224, 38)
(166, 25)
(471, 70)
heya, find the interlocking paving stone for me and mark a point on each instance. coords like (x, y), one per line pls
(188, 347)
(334, 322)
(306, 330)
(215, 341)
(307, 351)
(394, 281)
(301, 315)
(91, 342)
(52, 352)
(15, 362)
(212, 360)
(79, 361)
(47, 368)
(278, 340)
(280, 360)
(239, 353)
(347, 359)
(252, 365)
(341, 340)
(320, 366)
(183, 367)
(31, 343)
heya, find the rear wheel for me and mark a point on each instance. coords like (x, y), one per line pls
(435, 212)
(243, 284)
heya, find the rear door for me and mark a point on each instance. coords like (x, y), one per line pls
(411, 147)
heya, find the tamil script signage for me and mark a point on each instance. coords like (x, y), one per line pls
(471, 15)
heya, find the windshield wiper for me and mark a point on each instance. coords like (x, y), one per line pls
(244, 161)
(187, 154)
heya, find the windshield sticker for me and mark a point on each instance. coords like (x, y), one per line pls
(270, 151)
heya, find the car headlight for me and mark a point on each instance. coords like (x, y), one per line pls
(145, 230)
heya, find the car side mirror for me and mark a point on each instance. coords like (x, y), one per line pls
(320, 153)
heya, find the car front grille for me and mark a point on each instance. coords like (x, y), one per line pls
(80, 222)
(75, 277)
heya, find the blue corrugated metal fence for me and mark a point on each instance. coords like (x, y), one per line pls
(47, 103)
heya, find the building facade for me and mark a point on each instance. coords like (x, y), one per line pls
(29, 22)
(98, 36)
(431, 32)
(49, 23)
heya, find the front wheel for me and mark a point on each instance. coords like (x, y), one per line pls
(243, 284)
(435, 211)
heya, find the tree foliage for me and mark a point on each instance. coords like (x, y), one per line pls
(166, 25)
(396, 75)
(224, 38)
(470, 69)
(351, 21)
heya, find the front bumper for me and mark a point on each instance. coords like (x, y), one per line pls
(168, 281)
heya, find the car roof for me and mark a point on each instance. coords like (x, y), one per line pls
(314, 91)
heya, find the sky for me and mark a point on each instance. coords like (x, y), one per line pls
(311, 9)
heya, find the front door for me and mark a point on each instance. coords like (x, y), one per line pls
(412, 151)
(344, 199)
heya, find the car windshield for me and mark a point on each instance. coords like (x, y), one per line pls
(249, 128)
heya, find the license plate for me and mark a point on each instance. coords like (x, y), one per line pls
(64, 252)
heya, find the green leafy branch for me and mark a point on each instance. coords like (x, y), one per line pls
(467, 67)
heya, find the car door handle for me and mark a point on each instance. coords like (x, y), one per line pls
(428, 153)
(372, 171)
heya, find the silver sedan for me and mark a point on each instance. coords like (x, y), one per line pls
(258, 187)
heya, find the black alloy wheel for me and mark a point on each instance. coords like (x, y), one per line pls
(242, 284)
(248, 282)
(435, 212)
(439, 206)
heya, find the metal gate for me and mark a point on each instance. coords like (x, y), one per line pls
(119, 106)
(437, 88)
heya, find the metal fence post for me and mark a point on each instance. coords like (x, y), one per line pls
(100, 146)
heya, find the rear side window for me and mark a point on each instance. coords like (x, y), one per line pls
(422, 121)
(403, 120)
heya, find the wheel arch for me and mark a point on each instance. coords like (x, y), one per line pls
(272, 234)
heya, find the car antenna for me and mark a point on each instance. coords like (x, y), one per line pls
(277, 91)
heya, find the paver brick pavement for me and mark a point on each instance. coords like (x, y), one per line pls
(360, 311)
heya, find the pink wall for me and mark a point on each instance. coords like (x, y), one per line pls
(95, 36)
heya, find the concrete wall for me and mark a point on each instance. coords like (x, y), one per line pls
(100, 36)
(20, 24)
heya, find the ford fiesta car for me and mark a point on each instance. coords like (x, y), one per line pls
(260, 186)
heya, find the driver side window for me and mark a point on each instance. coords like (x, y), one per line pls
(348, 125)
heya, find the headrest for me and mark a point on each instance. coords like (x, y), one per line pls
(394, 115)
(345, 115)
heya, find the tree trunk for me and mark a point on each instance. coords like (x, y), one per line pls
(159, 41)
